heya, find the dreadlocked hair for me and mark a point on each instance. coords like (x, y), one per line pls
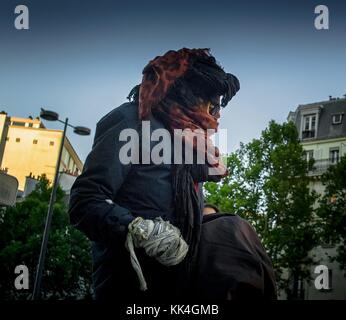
(205, 79)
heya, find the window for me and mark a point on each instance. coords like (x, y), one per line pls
(17, 123)
(7, 138)
(308, 155)
(309, 126)
(51, 143)
(337, 118)
(34, 141)
(17, 139)
(30, 125)
(334, 155)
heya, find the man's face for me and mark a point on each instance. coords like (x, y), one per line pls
(208, 210)
(212, 107)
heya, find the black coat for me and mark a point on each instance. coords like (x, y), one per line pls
(232, 262)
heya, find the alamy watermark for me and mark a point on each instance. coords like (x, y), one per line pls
(21, 282)
(22, 19)
(322, 19)
(322, 281)
(176, 149)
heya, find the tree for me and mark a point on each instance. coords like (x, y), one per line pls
(332, 210)
(241, 192)
(269, 186)
(67, 269)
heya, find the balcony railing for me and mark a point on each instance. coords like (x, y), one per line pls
(308, 134)
(322, 165)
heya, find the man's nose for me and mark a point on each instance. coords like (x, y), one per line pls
(217, 115)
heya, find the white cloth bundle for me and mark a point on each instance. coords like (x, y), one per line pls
(160, 240)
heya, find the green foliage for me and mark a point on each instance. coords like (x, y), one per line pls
(332, 210)
(268, 185)
(67, 269)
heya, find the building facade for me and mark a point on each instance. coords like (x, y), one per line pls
(28, 148)
(322, 132)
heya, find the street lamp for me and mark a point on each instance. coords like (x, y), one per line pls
(52, 116)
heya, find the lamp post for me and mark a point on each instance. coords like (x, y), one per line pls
(52, 116)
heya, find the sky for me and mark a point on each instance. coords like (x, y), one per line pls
(81, 58)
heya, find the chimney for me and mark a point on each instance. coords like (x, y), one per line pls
(30, 184)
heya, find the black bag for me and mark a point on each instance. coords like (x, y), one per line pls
(232, 263)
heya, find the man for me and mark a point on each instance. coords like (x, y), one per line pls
(232, 263)
(144, 219)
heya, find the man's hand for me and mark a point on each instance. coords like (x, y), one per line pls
(160, 240)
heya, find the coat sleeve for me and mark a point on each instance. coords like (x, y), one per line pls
(91, 207)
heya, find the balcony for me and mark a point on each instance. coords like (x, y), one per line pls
(308, 134)
(321, 166)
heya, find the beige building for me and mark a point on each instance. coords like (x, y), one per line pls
(27, 147)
